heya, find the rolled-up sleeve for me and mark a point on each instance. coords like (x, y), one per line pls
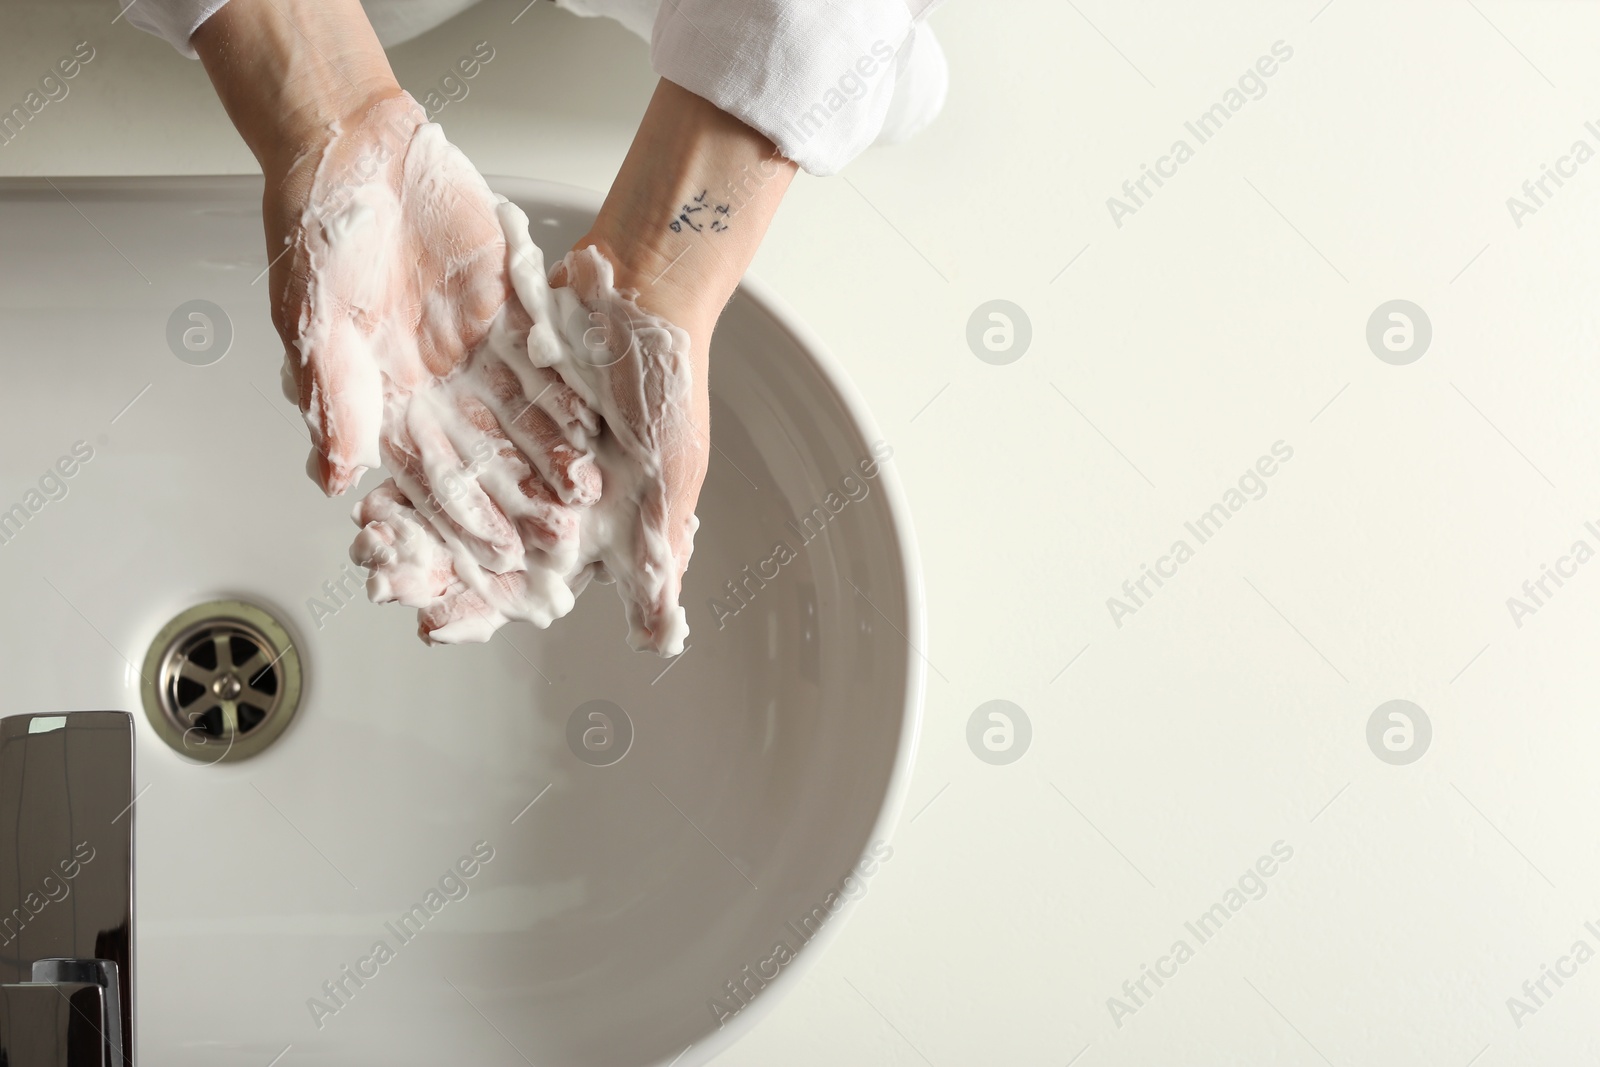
(818, 77)
(172, 20)
(823, 79)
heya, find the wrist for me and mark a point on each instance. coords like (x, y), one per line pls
(288, 70)
(688, 290)
(689, 207)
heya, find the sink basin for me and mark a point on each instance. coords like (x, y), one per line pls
(631, 874)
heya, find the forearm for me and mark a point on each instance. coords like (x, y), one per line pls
(690, 207)
(286, 69)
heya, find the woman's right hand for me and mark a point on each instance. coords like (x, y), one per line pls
(390, 270)
(387, 262)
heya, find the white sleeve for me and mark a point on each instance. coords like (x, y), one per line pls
(394, 21)
(822, 78)
(173, 20)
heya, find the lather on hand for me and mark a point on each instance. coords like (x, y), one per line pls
(388, 271)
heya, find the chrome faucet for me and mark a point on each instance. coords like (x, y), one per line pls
(66, 890)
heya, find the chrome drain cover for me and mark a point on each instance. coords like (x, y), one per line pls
(221, 681)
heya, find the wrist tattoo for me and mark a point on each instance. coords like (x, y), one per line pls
(701, 214)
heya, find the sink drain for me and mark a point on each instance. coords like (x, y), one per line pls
(221, 681)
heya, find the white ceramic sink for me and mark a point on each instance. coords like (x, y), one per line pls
(765, 763)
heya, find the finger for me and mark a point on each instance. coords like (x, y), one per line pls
(577, 419)
(654, 612)
(287, 283)
(289, 379)
(341, 396)
(468, 254)
(571, 471)
(525, 264)
(407, 564)
(539, 595)
(467, 549)
(406, 560)
(541, 518)
(343, 333)
(536, 382)
(642, 386)
(545, 521)
(384, 502)
(685, 475)
(453, 489)
(466, 616)
(646, 389)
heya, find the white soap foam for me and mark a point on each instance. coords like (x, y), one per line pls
(519, 533)
(534, 467)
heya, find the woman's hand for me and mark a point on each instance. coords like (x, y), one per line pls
(392, 269)
(681, 224)
(387, 262)
(388, 269)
